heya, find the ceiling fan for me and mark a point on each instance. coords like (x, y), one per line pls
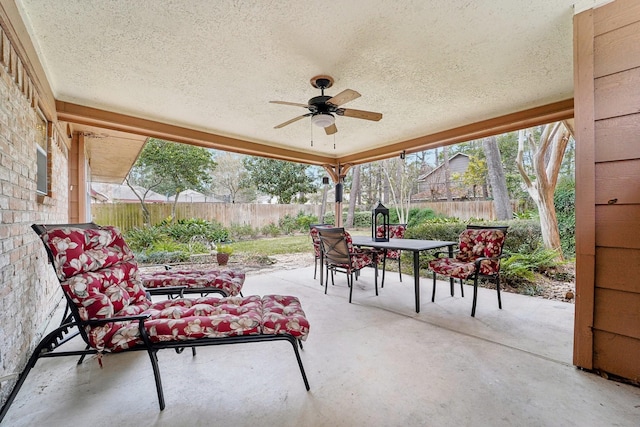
(322, 108)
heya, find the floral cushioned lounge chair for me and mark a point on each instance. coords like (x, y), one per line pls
(113, 313)
(480, 250)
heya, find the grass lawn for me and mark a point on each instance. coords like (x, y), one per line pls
(275, 245)
(299, 243)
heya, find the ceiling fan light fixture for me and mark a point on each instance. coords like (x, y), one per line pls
(323, 119)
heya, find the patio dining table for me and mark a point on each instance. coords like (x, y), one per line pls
(413, 245)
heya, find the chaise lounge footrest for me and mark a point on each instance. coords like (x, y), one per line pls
(225, 282)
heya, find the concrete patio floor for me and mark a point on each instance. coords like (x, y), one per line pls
(375, 362)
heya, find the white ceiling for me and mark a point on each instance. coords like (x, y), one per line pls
(426, 65)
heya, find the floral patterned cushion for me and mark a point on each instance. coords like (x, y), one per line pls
(360, 258)
(100, 277)
(396, 231)
(78, 250)
(229, 281)
(283, 314)
(474, 243)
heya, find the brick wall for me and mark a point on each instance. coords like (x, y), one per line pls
(29, 291)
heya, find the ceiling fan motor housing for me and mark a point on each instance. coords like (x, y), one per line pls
(318, 104)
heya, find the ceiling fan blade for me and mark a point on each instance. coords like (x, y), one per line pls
(288, 122)
(343, 97)
(359, 114)
(295, 104)
(330, 130)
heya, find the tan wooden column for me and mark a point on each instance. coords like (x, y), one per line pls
(78, 181)
(337, 172)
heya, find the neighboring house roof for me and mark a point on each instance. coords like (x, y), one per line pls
(457, 158)
(194, 196)
(122, 193)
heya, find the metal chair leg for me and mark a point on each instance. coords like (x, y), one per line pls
(384, 268)
(399, 266)
(433, 294)
(350, 286)
(462, 287)
(475, 296)
(498, 289)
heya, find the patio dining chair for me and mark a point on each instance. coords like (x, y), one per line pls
(396, 231)
(478, 256)
(315, 240)
(341, 256)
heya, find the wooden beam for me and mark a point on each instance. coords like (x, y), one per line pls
(80, 114)
(549, 113)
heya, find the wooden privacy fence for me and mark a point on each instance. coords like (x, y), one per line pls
(129, 215)
(465, 210)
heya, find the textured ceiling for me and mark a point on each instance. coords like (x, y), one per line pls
(426, 65)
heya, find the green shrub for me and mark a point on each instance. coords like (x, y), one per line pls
(565, 202)
(140, 239)
(360, 219)
(243, 232)
(417, 216)
(287, 224)
(521, 268)
(271, 229)
(161, 257)
(183, 230)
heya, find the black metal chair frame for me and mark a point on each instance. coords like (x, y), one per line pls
(474, 277)
(72, 326)
(336, 254)
(316, 258)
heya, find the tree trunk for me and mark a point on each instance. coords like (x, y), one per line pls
(447, 173)
(546, 161)
(501, 201)
(353, 195)
(146, 215)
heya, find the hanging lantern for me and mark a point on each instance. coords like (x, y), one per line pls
(380, 220)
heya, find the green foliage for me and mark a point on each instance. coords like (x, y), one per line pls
(300, 223)
(243, 232)
(169, 167)
(271, 229)
(565, 203)
(140, 239)
(161, 257)
(418, 216)
(521, 268)
(360, 219)
(184, 230)
(279, 178)
(224, 249)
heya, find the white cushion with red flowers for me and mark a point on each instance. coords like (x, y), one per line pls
(474, 243)
(229, 281)
(283, 314)
(98, 273)
(396, 231)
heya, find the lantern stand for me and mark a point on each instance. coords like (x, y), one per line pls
(380, 217)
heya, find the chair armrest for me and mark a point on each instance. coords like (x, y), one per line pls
(167, 290)
(97, 322)
(493, 258)
(446, 253)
